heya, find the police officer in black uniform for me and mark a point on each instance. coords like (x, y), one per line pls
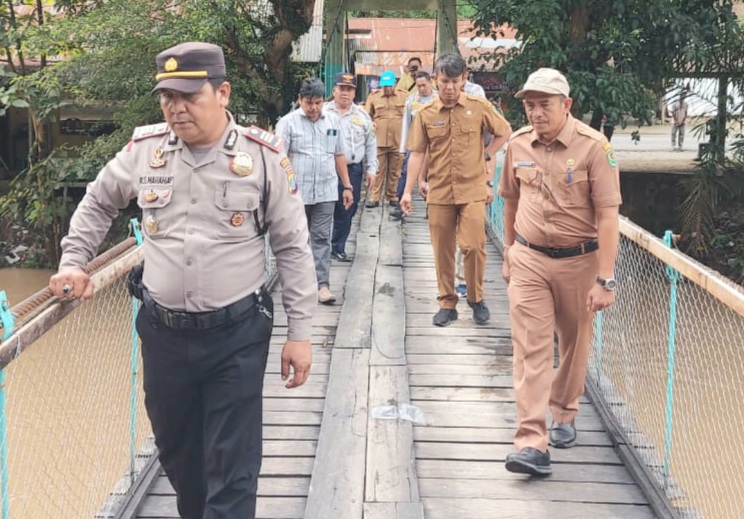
(209, 191)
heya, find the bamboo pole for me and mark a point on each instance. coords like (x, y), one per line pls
(30, 331)
(716, 285)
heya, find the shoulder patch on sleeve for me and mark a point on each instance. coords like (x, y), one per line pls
(151, 130)
(263, 137)
(521, 131)
(286, 165)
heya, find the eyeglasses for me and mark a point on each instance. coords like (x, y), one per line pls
(413, 68)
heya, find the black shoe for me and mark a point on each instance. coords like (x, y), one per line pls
(529, 461)
(340, 256)
(372, 205)
(445, 316)
(481, 315)
(393, 203)
(563, 435)
(396, 214)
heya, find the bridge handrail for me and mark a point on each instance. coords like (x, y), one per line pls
(127, 255)
(715, 284)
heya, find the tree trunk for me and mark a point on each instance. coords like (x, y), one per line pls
(596, 121)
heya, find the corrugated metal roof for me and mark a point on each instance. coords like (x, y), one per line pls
(380, 44)
(310, 45)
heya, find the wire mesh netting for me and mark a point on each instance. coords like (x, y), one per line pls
(68, 412)
(669, 360)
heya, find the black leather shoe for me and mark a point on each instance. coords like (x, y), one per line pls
(372, 205)
(340, 256)
(393, 203)
(445, 316)
(481, 315)
(529, 461)
(563, 435)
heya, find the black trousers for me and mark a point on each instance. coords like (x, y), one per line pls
(203, 394)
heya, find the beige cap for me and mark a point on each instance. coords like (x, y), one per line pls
(546, 80)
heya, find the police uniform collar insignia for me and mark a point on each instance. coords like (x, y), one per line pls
(172, 138)
(157, 158)
(143, 132)
(237, 219)
(242, 164)
(232, 139)
(263, 137)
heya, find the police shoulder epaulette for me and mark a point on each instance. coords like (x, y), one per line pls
(151, 130)
(588, 131)
(263, 137)
(521, 131)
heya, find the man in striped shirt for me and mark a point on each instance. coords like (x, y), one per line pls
(312, 140)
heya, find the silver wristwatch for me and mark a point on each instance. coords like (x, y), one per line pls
(608, 284)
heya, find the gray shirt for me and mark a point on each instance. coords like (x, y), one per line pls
(360, 141)
(312, 148)
(202, 247)
(413, 105)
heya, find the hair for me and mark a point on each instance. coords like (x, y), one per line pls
(216, 82)
(451, 65)
(312, 87)
(415, 58)
(423, 74)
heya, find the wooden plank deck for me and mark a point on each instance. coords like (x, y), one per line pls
(327, 457)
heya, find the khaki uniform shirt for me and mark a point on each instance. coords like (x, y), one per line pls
(387, 114)
(560, 184)
(454, 139)
(202, 246)
(406, 84)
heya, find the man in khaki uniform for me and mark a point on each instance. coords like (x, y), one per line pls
(562, 194)
(385, 107)
(407, 82)
(209, 191)
(449, 130)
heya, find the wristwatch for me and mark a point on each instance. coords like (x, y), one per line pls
(608, 284)
(489, 183)
(349, 188)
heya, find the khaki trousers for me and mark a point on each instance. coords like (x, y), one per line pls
(388, 172)
(463, 225)
(547, 295)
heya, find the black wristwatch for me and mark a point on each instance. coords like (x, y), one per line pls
(608, 284)
(349, 188)
(489, 183)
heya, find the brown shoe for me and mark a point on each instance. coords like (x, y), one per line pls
(325, 297)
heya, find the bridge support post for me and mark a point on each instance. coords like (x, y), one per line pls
(446, 27)
(7, 321)
(673, 276)
(137, 232)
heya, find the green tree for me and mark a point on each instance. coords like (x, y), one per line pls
(102, 52)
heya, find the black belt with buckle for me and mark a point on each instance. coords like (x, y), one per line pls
(203, 320)
(555, 252)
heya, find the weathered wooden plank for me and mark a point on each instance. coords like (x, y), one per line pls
(307, 390)
(495, 471)
(393, 511)
(448, 508)
(463, 394)
(289, 448)
(164, 507)
(280, 466)
(498, 452)
(337, 487)
(293, 404)
(459, 328)
(504, 381)
(459, 345)
(355, 321)
(391, 249)
(538, 490)
(283, 432)
(391, 474)
(475, 435)
(267, 486)
(456, 359)
(279, 418)
(443, 368)
(388, 319)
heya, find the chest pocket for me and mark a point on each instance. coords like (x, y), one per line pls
(331, 136)
(468, 133)
(236, 212)
(158, 217)
(437, 133)
(576, 192)
(529, 182)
